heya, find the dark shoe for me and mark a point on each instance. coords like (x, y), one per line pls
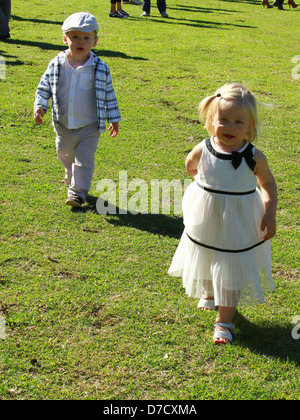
(4, 36)
(122, 12)
(74, 201)
(117, 15)
(292, 4)
(266, 3)
(278, 4)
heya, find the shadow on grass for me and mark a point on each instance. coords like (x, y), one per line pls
(34, 20)
(255, 3)
(198, 9)
(61, 47)
(158, 224)
(193, 23)
(274, 341)
(8, 62)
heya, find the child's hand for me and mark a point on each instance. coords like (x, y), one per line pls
(38, 115)
(269, 223)
(114, 129)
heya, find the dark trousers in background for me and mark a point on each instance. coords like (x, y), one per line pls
(161, 5)
(5, 8)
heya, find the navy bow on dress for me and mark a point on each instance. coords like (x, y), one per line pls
(247, 154)
(235, 157)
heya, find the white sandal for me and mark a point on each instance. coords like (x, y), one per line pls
(206, 304)
(225, 334)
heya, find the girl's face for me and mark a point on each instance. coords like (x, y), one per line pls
(80, 43)
(231, 126)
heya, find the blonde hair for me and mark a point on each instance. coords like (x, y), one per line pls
(225, 97)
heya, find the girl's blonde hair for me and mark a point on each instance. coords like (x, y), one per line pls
(224, 98)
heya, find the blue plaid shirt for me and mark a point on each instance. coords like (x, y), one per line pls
(107, 105)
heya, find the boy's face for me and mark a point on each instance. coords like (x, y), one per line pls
(80, 43)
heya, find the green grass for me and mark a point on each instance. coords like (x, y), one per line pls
(90, 311)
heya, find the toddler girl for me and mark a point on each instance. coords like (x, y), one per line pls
(224, 255)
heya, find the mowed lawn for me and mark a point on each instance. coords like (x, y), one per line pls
(88, 308)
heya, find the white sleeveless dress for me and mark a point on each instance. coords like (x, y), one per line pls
(222, 252)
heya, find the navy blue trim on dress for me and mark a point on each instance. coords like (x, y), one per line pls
(225, 192)
(235, 157)
(222, 249)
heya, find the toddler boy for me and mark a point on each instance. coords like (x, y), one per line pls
(83, 98)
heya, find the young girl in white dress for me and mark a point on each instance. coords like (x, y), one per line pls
(224, 255)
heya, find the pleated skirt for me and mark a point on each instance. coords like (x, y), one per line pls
(222, 252)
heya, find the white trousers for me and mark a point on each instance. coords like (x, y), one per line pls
(76, 151)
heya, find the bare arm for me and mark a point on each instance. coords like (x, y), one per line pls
(192, 160)
(269, 193)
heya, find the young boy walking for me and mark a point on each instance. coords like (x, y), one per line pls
(83, 98)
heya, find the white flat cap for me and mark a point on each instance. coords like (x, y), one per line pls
(84, 22)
